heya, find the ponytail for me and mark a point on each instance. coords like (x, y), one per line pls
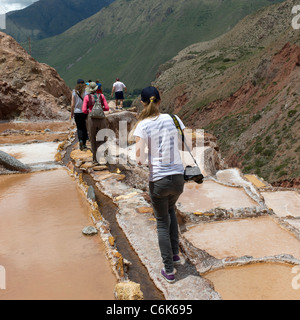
(150, 109)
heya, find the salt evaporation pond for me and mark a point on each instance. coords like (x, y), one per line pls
(256, 282)
(212, 195)
(55, 126)
(284, 203)
(41, 131)
(42, 249)
(36, 155)
(257, 237)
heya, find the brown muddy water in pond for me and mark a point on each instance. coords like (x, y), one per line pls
(33, 153)
(257, 282)
(36, 130)
(211, 195)
(42, 248)
(36, 126)
(284, 203)
(17, 139)
(257, 237)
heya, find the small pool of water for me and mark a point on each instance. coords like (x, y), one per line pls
(42, 249)
(21, 132)
(32, 153)
(257, 282)
(211, 195)
(55, 126)
(284, 203)
(257, 237)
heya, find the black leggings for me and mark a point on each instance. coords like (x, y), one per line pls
(164, 195)
(80, 120)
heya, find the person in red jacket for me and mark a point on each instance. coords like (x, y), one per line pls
(94, 125)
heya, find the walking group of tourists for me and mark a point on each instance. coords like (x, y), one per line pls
(85, 97)
(159, 134)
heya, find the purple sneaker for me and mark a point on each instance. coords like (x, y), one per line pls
(170, 277)
(176, 259)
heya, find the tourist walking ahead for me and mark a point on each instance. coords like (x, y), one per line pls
(118, 88)
(77, 113)
(94, 125)
(158, 132)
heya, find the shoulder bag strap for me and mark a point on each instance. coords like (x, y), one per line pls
(177, 124)
(101, 100)
(79, 95)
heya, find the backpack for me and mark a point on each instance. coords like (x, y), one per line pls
(97, 111)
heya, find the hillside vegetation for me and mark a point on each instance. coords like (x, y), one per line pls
(244, 88)
(131, 38)
(47, 18)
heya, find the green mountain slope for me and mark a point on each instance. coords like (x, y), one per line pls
(47, 18)
(243, 87)
(131, 38)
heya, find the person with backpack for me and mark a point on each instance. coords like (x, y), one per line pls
(95, 123)
(158, 132)
(77, 113)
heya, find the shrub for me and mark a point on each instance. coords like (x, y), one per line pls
(258, 148)
(292, 113)
(268, 153)
(282, 173)
(268, 140)
(256, 118)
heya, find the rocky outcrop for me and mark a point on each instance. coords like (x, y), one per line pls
(292, 183)
(28, 89)
(114, 120)
(12, 163)
(128, 291)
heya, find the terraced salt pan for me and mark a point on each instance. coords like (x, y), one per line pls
(294, 222)
(256, 282)
(234, 177)
(42, 248)
(211, 195)
(255, 180)
(258, 237)
(36, 154)
(284, 203)
(35, 126)
(231, 176)
(30, 131)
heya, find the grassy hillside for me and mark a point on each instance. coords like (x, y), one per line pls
(131, 38)
(244, 88)
(47, 18)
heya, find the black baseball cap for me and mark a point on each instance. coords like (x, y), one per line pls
(149, 92)
(80, 81)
